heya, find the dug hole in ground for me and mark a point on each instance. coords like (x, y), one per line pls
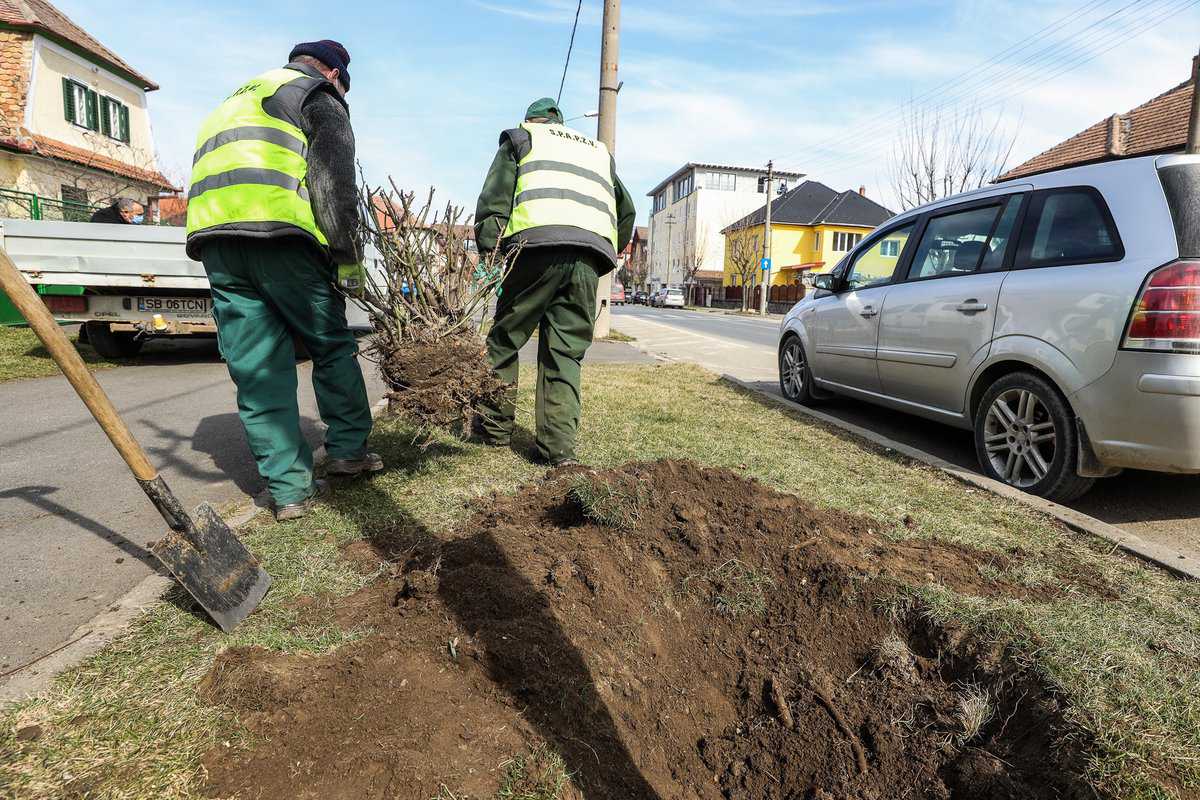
(660, 630)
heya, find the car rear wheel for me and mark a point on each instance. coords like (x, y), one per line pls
(795, 379)
(109, 344)
(1025, 436)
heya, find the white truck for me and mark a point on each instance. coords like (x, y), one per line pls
(136, 281)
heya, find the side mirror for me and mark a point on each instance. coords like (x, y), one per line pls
(824, 281)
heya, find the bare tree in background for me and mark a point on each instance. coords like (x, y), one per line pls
(636, 270)
(936, 156)
(745, 252)
(695, 257)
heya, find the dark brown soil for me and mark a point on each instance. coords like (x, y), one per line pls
(728, 642)
(438, 384)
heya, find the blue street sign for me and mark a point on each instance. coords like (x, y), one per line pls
(766, 265)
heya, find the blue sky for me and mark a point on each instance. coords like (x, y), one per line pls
(814, 85)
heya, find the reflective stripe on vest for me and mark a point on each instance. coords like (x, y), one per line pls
(249, 167)
(564, 180)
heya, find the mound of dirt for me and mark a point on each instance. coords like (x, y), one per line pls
(710, 638)
(438, 384)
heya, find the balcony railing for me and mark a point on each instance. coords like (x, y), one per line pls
(27, 205)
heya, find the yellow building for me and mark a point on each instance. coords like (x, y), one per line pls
(812, 228)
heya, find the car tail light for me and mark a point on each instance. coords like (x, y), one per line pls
(65, 304)
(1166, 316)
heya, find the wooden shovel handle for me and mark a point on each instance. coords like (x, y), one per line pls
(67, 357)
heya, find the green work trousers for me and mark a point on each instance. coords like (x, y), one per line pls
(266, 294)
(553, 291)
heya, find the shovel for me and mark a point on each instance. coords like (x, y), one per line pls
(203, 554)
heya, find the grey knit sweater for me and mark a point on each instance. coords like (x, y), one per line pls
(331, 177)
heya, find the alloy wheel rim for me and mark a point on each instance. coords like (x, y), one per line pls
(1020, 437)
(793, 370)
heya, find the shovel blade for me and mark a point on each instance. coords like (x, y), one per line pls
(215, 567)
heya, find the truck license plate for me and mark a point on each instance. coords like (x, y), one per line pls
(175, 305)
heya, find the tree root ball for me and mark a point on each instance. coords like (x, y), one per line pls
(438, 384)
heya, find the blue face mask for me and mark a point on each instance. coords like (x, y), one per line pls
(138, 219)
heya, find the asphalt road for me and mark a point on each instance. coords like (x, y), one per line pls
(73, 522)
(1155, 506)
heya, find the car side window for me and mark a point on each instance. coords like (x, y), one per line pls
(1071, 226)
(954, 243)
(876, 265)
(1002, 236)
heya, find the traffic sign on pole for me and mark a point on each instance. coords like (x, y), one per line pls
(766, 265)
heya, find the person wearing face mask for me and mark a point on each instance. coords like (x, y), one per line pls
(123, 211)
(273, 216)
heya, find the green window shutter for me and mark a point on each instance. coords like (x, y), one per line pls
(69, 99)
(124, 124)
(105, 122)
(93, 110)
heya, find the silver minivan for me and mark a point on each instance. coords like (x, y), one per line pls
(1057, 316)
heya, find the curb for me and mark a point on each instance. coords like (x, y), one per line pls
(1158, 555)
(97, 633)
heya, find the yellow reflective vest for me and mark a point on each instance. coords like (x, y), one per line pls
(565, 192)
(251, 161)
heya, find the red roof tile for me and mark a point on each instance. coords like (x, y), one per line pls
(1157, 126)
(173, 210)
(41, 17)
(77, 155)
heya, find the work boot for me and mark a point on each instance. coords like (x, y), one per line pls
(536, 457)
(349, 467)
(297, 510)
(480, 435)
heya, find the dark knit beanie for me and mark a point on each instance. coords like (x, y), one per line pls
(331, 53)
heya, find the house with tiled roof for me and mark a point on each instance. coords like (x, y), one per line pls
(812, 227)
(1155, 127)
(74, 123)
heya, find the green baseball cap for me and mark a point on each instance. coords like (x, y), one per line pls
(546, 107)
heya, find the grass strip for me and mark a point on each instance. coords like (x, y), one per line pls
(22, 356)
(127, 724)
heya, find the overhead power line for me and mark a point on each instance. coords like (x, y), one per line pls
(850, 159)
(570, 47)
(993, 79)
(1004, 86)
(975, 70)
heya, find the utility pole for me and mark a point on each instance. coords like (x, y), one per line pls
(606, 131)
(766, 273)
(1193, 140)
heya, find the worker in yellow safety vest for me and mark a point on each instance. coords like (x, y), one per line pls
(273, 215)
(553, 192)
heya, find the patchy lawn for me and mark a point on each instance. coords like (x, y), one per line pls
(128, 723)
(22, 355)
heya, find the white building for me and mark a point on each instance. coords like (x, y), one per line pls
(691, 208)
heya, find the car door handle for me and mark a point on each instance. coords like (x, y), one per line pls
(868, 311)
(971, 307)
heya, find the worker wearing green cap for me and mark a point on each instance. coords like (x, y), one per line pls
(553, 193)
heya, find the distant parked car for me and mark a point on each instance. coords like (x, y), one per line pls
(617, 295)
(1056, 316)
(672, 298)
(640, 298)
